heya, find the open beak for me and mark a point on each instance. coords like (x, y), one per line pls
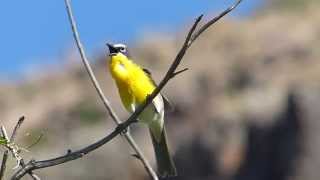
(112, 49)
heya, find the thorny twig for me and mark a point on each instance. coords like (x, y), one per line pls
(191, 37)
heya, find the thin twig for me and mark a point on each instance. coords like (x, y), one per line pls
(5, 154)
(32, 175)
(36, 141)
(212, 21)
(33, 165)
(169, 75)
(14, 149)
(180, 71)
(4, 133)
(4, 163)
(12, 138)
(103, 98)
(15, 130)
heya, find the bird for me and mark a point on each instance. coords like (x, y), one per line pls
(135, 84)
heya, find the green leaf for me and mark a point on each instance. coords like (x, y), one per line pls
(3, 141)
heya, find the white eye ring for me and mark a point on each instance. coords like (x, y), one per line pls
(122, 49)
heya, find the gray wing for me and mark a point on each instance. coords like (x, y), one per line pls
(167, 104)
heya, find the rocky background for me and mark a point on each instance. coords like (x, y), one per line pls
(247, 109)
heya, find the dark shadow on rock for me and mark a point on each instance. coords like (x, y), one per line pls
(195, 160)
(272, 151)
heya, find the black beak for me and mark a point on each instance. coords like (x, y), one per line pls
(112, 49)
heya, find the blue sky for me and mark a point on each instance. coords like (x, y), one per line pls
(37, 32)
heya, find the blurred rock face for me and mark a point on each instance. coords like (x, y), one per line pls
(272, 151)
(246, 109)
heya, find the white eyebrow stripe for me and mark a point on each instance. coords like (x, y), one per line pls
(119, 45)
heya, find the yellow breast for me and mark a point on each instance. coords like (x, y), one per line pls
(133, 83)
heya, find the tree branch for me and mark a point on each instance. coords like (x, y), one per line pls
(14, 149)
(4, 163)
(103, 98)
(5, 154)
(191, 37)
(213, 21)
(15, 130)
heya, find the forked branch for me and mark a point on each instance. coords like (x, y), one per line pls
(171, 73)
(14, 149)
(103, 98)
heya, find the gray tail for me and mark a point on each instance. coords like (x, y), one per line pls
(166, 167)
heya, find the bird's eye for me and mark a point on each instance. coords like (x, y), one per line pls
(122, 49)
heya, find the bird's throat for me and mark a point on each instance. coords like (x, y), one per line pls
(118, 71)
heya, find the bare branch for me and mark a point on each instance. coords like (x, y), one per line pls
(5, 154)
(32, 175)
(33, 165)
(36, 141)
(15, 130)
(103, 98)
(171, 73)
(191, 37)
(180, 71)
(4, 163)
(212, 21)
(14, 149)
(4, 133)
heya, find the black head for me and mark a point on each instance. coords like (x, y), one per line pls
(117, 48)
